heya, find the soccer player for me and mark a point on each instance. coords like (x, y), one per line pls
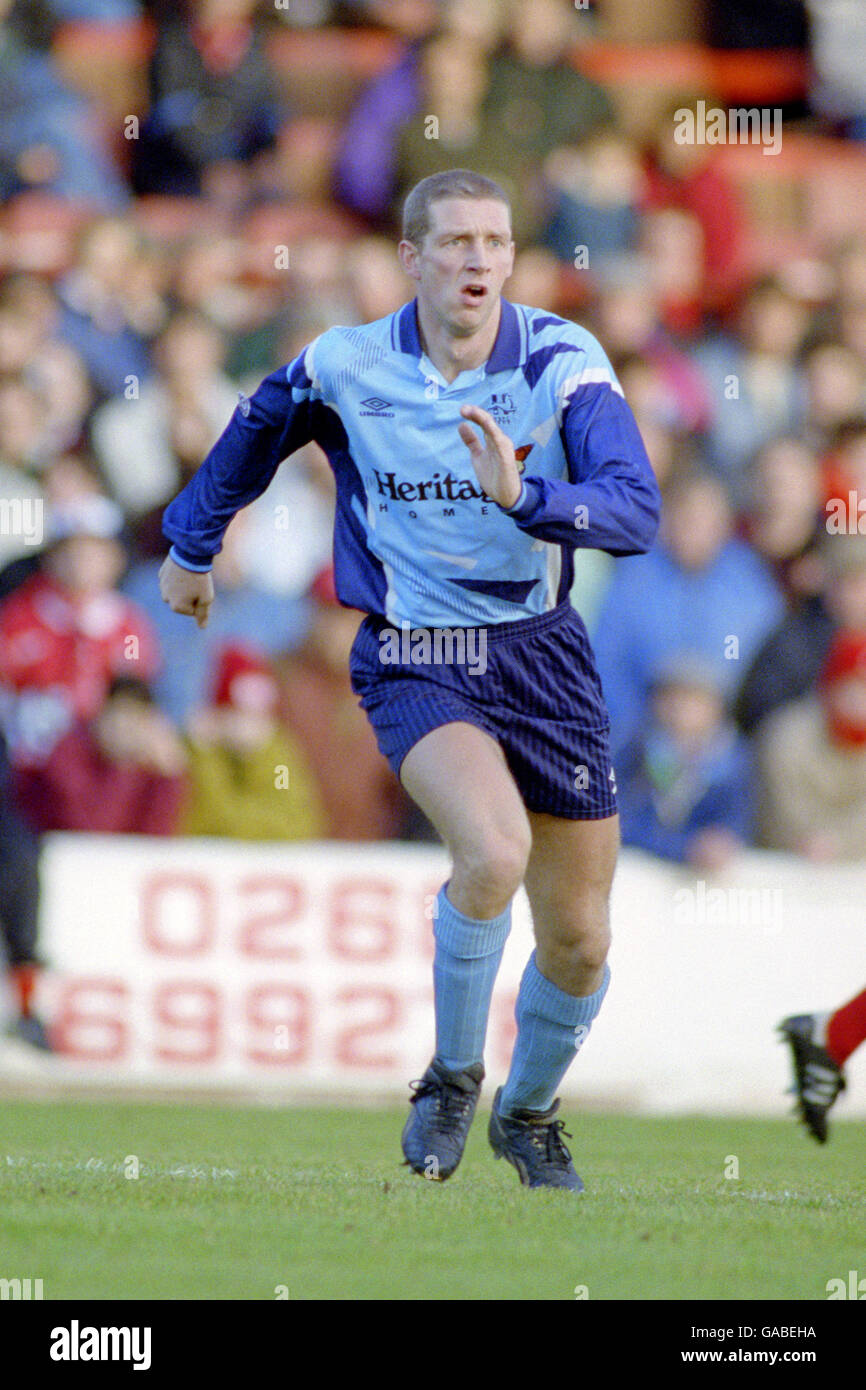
(820, 1046)
(429, 417)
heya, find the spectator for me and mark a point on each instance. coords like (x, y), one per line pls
(834, 379)
(66, 632)
(365, 169)
(700, 587)
(362, 797)
(538, 99)
(149, 444)
(29, 318)
(844, 477)
(377, 283)
(838, 44)
(685, 175)
(468, 133)
(70, 477)
(120, 773)
(249, 777)
(812, 758)
(367, 159)
(101, 316)
(212, 101)
(684, 782)
(245, 612)
(754, 379)
(538, 279)
(597, 186)
(787, 664)
(784, 520)
(49, 139)
(671, 242)
(627, 317)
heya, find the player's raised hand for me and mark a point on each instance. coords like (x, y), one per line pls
(494, 460)
(186, 591)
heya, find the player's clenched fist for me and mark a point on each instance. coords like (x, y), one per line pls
(185, 591)
(494, 461)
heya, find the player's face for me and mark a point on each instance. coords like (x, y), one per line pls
(463, 262)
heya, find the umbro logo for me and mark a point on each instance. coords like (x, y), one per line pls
(243, 404)
(376, 406)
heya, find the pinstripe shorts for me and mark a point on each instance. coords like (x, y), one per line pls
(532, 685)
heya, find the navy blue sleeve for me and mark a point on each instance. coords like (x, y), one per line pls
(273, 423)
(612, 501)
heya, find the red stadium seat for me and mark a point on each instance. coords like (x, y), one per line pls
(765, 77)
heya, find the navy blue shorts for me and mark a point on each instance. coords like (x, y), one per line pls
(532, 685)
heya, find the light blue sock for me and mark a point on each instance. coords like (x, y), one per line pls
(551, 1026)
(467, 958)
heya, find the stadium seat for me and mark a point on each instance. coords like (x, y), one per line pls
(762, 77)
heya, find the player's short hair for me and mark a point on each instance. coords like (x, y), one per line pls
(452, 183)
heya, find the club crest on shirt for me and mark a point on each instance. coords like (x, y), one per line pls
(501, 406)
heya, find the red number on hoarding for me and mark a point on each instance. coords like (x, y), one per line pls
(262, 933)
(361, 924)
(90, 1024)
(387, 1014)
(194, 914)
(281, 1017)
(191, 1010)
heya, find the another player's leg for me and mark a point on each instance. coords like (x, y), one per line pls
(820, 1046)
(458, 776)
(568, 881)
(19, 912)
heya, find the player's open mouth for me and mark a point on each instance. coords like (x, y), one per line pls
(473, 294)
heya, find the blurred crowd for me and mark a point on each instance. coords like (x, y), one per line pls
(154, 265)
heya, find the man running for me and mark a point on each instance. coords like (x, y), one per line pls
(475, 443)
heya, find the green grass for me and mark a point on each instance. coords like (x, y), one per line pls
(316, 1200)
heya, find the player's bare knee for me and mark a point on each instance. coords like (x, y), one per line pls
(580, 936)
(493, 865)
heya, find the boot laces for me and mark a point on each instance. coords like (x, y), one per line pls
(548, 1140)
(451, 1103)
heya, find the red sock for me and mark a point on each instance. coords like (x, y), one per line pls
(846, 1029)
(23, 979)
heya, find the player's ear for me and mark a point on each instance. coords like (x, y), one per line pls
(408, 253)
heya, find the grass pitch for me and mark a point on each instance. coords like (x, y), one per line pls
(234, 1203)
